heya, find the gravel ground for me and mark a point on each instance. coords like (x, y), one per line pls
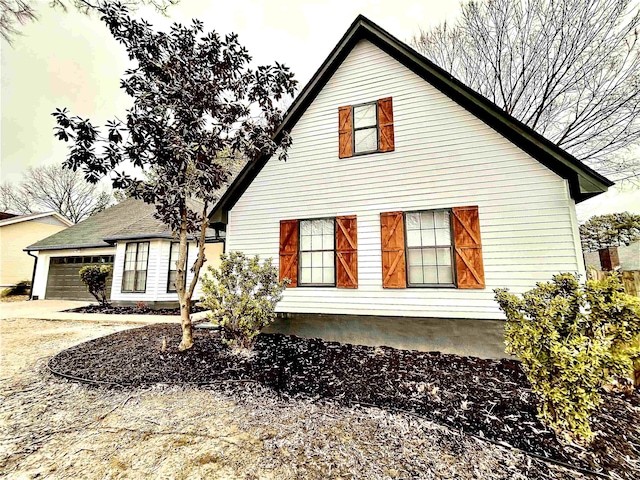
(51, 428)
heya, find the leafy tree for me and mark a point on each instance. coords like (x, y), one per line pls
(54, 188)
(195, 101)
(569, 69)
(242, 296)
(610, 230)
(95, 278)
(14, 13)
(572, 340)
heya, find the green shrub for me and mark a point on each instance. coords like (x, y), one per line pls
(242, 295)
(572, 340)
(20, 288)
(95, 278)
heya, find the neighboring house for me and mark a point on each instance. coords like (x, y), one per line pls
(628, 255)
(406, 194)
(127, 236)
(19, 231)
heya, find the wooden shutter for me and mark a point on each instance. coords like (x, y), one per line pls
(468, 247)
(289, 251)
(385, 125)
(393, 263)
(345, 132)
(347, 252)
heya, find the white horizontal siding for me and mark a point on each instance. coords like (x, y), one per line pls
(444, 157)
(158, 271)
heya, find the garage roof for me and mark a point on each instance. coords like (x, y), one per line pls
(128, 219)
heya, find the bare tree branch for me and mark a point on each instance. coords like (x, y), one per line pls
(53, 188)
(569, 69)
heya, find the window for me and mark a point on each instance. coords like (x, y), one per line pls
(134, 278)
(173, 272)
(365, 128)
(317, 252)
(429, 248)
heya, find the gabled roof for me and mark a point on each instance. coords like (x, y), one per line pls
(34, 216)
(129, 219)
(584, 182)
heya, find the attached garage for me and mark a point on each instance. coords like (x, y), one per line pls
(63, 281)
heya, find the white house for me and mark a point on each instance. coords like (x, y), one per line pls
(405, 194)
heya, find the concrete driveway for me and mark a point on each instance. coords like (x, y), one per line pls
(54, 310)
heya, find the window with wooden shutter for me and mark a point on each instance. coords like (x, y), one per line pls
(468, 247)
(393, 260)
(429, 248)
(385, 125)
(289, 251)
(366, 128)
(317, 260)
(347, 252)
(345, 132)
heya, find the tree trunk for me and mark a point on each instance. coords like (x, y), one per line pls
(187, 328)
(184, 297)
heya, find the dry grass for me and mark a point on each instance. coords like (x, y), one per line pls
(57, 429)
(14, 298)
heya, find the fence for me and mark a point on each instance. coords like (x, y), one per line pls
(630, 279)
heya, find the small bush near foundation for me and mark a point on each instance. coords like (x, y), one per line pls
(20, 288)
(572, 340)
(95, 278)
(242, 296)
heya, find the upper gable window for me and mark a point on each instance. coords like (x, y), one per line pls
(366, 128)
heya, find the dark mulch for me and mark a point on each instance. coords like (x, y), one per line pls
(118, 310)
(490, 398)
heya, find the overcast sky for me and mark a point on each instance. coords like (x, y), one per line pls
(70, 60)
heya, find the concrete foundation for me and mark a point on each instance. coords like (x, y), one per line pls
(479, 338)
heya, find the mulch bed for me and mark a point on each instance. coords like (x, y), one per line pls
(489, 398)
(119, 310)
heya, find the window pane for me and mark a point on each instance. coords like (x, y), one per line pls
(127, 281)
(327, 259)
(442, 219)
(141, 280)
(305, 260)
(305, 275)
(415, 274)
(366, 140)
(143, 250)
(413, 221)
(413, 238)
(429, 256)
(443, 236)
(305, 242)
(415, 257)
(445, 275)
(327, 227)
(172, 280)
(364, 116)
(316, 242)
(430, 274)
(327, 242)
(316, 275)
(328, 275)
(316, 259)
(426, 220)
(444, 256)
(305, 227)
(428, 238)
(316, 227)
